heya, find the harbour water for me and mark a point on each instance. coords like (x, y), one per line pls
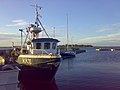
(92, 70)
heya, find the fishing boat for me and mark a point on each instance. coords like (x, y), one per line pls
(39, 57)
(8, 73)
(67, 53)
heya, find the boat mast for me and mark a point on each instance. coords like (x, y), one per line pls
(67, 34)
(54, 32)
(21, 30)
(37, 21)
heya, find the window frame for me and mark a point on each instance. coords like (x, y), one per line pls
(47, 45)
(54, 45)
(38, 45)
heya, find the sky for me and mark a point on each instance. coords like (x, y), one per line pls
(93, 22)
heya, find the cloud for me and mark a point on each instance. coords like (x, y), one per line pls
(5, 33)
(8, 43)
(19, 22)
(104, 38)
(108, 28)
(108, 34)
(6, 39)
(8, 36)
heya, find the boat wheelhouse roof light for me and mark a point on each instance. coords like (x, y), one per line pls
(45, 40)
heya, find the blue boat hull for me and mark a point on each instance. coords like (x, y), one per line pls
(67, 55)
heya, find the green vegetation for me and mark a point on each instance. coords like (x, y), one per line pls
(74, 46)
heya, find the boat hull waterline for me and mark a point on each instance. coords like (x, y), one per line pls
(66, 55)
(37, 69)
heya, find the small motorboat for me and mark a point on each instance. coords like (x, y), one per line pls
(8, 73)
(67, 54)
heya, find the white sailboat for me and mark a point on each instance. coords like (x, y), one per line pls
(68, 53)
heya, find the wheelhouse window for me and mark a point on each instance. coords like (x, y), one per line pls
(38, 45)
(46, 45)
(53, 45)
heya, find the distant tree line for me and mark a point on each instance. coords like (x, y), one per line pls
(74, 46)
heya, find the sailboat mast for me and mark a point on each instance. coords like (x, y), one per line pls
(67, 33)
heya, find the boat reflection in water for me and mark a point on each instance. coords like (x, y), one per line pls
(38, 86)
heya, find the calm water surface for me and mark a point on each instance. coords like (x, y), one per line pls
(88, 71)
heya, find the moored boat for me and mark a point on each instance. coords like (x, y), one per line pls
(104, 49)
(67, 54)
(8, 73)
(39, 58)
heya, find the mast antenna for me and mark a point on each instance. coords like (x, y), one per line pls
(37, 21)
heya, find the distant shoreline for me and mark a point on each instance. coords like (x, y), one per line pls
(71, 45)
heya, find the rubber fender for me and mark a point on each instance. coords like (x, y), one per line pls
(7, 67)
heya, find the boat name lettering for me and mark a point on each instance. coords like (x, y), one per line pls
(27, 60)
